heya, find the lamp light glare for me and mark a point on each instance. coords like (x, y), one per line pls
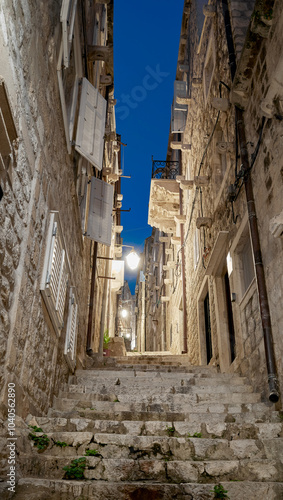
(133, 260)
(124, 313)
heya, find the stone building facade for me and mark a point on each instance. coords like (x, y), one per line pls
(59, 161)
(226, 135)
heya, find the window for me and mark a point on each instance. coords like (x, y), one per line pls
(248, 264)
(71, 330)
(8, 133)
(209, 66)
(196, 248)
(55, 273)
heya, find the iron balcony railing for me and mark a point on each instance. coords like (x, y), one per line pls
(164, 169)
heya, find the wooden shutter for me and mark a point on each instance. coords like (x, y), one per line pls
(99, 224)
(91, 125)
(67, 18)
(55, 273)
(71, 330)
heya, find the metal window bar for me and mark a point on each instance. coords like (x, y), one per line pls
(164, 169)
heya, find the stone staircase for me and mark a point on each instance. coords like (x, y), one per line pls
(153, 427)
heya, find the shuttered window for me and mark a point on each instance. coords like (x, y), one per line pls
(71, 330)
(67, 18)
(180, 90)
(178, 120)
(55, 273)
(91, 125)
(99, 224)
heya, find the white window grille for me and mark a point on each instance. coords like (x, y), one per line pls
(67, 18)
(91, 125)
(56, 271)
(71, 330)
(99, 224)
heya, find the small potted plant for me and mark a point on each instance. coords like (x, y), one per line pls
(106, 340)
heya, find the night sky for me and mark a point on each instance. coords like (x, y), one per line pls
(146, 41)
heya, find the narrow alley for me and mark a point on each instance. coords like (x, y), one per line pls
(129, 374)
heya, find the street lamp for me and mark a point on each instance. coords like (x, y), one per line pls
(124, 313)
(133, 260)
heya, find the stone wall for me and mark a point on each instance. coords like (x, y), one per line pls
(44, 178)
(206, 128)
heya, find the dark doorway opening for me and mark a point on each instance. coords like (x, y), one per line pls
(207, 328)
(232, 340)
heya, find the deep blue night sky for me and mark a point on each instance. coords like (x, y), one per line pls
(146, 41)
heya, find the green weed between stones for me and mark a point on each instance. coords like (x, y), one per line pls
(91, 453)
(195, 435)
(76, 469)
(41, 442)
(61, 444)
(219, 491)
(35, 428)
(170, 430)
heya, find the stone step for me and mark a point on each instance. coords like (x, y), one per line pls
(176, 403)
(42, 489)
(179, 384)
(89, 377)
(146, 371)
(209, 425)
(163, 471)
(165, 399)
(122, 388)
(110, 446)
(119, 411)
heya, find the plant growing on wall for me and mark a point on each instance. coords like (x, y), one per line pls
(219, 492)
(76, 469)
(106, 339)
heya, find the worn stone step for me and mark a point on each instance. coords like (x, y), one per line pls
(176, 404)
(171, 395)
(123, 389)
(176, 471)
(42, 489)
(108, 446)
(201, 412)
(140, 372)
(209, 426)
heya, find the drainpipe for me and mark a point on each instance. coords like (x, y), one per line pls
(260, 277)
(185, 343)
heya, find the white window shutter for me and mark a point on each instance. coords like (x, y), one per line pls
(180, 90)
(71, 331)
(55, 274)
(91, 125)
(67, 18)
(99, 224)
(178, 120)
